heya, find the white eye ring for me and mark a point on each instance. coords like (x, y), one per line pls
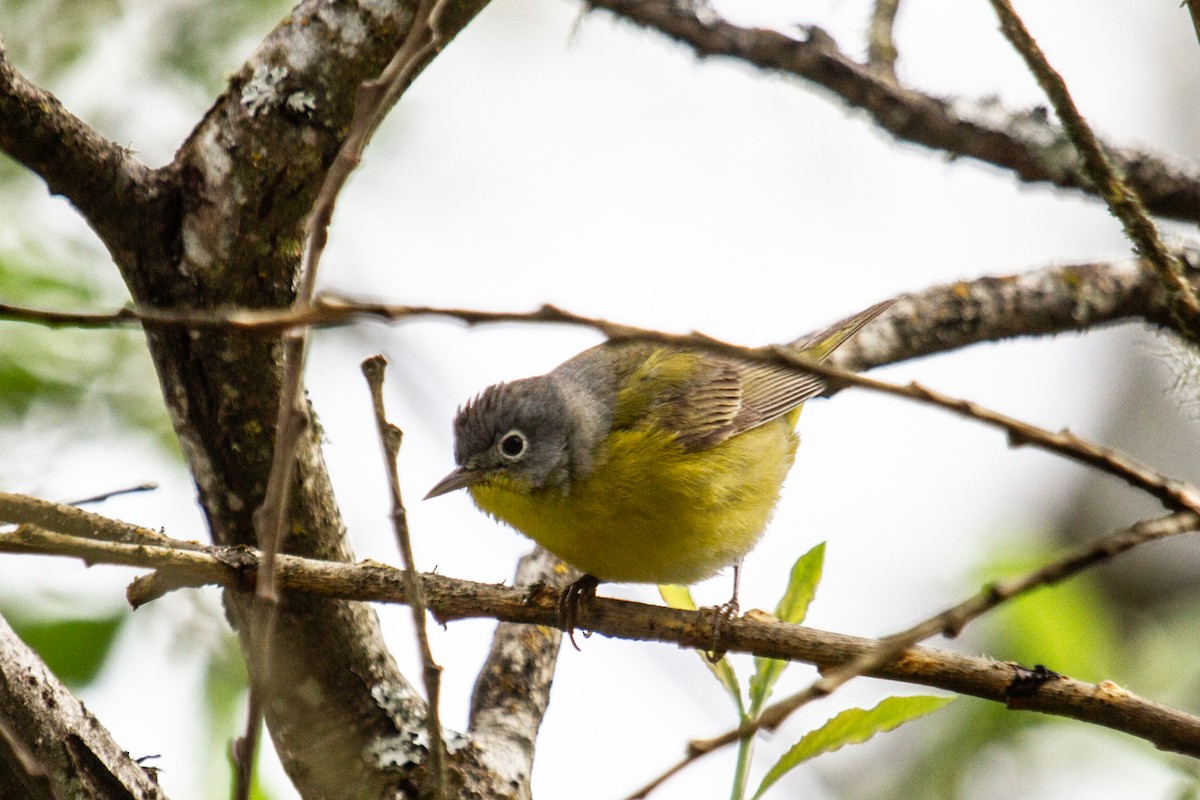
(512, 445)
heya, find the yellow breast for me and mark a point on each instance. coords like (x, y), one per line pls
(651, 511)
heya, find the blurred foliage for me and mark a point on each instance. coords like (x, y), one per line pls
(73, 648)
(193, 40)
(82, 373)
(225, 686)
(72, 371)
(1071, 628)
(73, 23)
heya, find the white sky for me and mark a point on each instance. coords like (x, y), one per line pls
(586, 163)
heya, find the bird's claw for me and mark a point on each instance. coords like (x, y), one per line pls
(580, 591)
(722, 614)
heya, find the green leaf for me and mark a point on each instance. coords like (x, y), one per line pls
(852, 726)
(792, 607)
(1069, 626)
(677, 596)
(74, 649)
(79, 372)
(74, 26)
(802, 586)
(681, 597)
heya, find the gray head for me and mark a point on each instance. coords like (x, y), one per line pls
(523, 430)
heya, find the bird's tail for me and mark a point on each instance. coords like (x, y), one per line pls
(820, 344)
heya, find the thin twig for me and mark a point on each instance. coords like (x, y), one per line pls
(1194, 9)
(372, 103)
(100, 498)
(270, 525)
(1066, 297)
(390, 437)
(940, 318)
(20, 509)
(374, 100)
(25, 759)
(881, 42)
(949, 622)
(1172, 493)
(1123, 201)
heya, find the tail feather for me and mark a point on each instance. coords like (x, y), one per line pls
(820, 344)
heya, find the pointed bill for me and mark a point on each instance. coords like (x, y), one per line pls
(460, 478)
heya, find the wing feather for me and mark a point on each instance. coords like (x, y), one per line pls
(706, 399)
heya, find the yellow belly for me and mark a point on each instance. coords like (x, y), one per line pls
(651, 512)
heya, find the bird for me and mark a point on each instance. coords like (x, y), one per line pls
(640, 461)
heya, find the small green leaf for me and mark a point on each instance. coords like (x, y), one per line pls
(677, 596)
(681, 597)
(852, 726)
(802, 586)
(792, 607)
(73, 649)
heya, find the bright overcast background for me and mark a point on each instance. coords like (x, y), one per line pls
(549, 157)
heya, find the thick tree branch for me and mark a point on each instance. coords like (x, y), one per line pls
(50, 745)
(1123, 202)
(374, 98)
(219, 227)
(1024, 143)
(121, 198)
(1052, 300)
(505, 722)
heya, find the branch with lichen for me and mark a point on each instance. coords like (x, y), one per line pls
(452, 599)
(1024, 142)
(1073, 297)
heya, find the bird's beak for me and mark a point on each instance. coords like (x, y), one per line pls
(460, 478)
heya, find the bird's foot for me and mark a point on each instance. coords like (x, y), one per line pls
(722, 615)
(581, 591)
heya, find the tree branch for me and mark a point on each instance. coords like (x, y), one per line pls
(1053, 300)
(1024, 143)
(881, 42)
(1123, 202)
(1193, 7)
(950, 623)
(243, 185)
(1102, 704)
(50, 745)
(505, 723)
(111, 188)
(390, 437)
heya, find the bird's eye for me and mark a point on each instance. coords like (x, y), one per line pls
(513, 444)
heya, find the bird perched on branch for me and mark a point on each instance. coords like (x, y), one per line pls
(638, 461)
